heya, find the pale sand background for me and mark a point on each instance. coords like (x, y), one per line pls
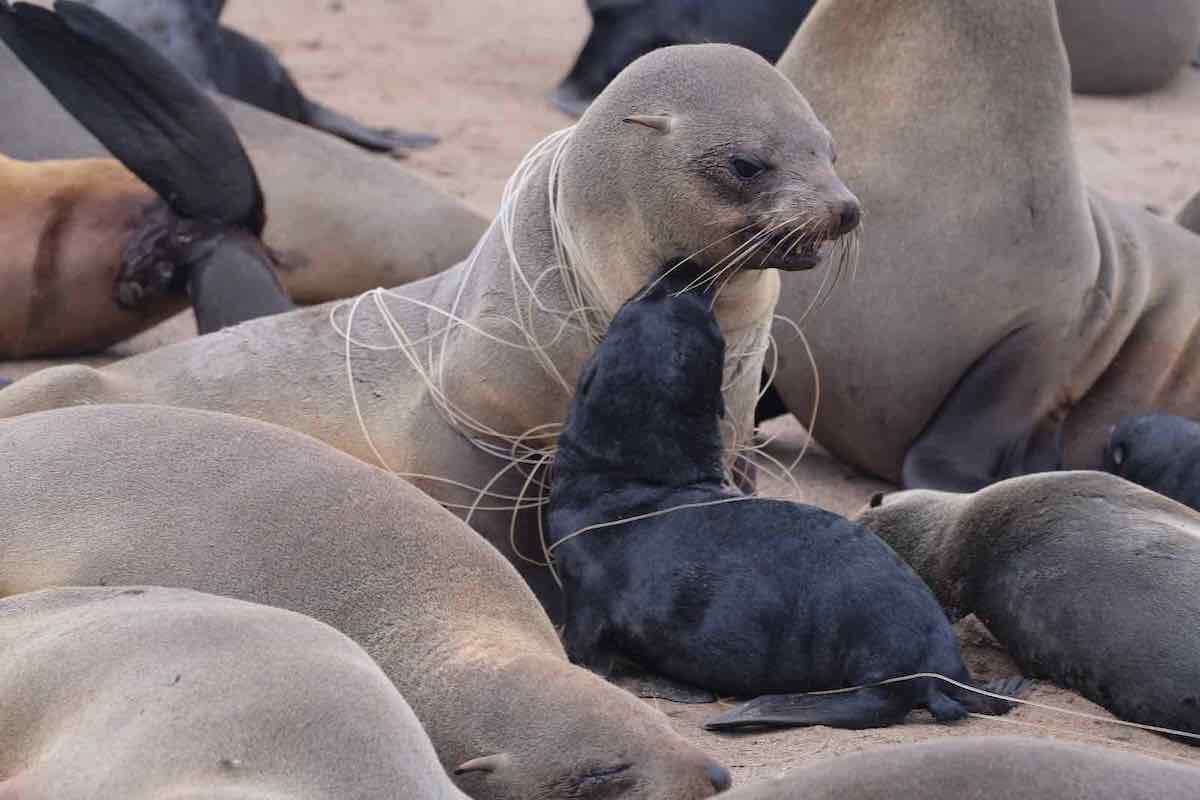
(477, 73)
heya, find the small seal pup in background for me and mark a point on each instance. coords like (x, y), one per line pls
(746, 596)
(999, 767)
(1160, 452)
(123, 692)
(111, 257)
(217, 57)
(1087, 579)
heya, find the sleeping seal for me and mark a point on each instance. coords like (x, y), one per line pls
(746, 596)
(1006, 767)
(465, 386)
(95, 255)
(150, 692)
(243, 509)
(188, 34)
(1160, 452)
(1003, 318)
(1084, 577)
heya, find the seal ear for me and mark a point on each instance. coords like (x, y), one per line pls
(486, 764)
(877, 500)
(655, 122)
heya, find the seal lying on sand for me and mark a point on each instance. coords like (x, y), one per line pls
(466, 382)
(340, 220)
(1083, 577)
(1002, 318)
(96, 256)
(623, 30)
(149, 692)
(243, 509)
(1128, 46)
(746, 596)
(1160, 452)
(214, 56)
(996, 766)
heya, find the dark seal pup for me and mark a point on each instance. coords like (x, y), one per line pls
(187, 32)
(747, 597)
(1160, 452)
(624, 30)
(203, 238)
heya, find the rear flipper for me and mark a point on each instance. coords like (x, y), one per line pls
(231, 284)
(1016, 686)
(864, 708)
(384, 140)
(170, 134)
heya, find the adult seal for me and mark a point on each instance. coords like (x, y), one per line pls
(94, 255)
(1128, 46)
(664, 564)
(466, 382)
(1003, 317)
(98, 687)
(196, 504)
(995, 766)
(1039, 560)
(1160, 452)
(624, 30)
(188, 33)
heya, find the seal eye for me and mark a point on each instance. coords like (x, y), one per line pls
(746, 168)
(1118, 455)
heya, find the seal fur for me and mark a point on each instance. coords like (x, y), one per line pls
(1160, 452)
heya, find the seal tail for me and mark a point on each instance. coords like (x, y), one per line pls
(876, 707)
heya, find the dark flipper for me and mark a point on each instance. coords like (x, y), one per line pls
(1016, 686)
(865, 708)
(233, 281)
(380, 139)
(156, 121)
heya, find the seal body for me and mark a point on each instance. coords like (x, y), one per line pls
(1128, 46)
(995, 766)
(1040, 559)
(1160, 452)
(633, 190)
(748, 597)
(1018, 315)
(623, 30)
(255, 512)
(97, 686)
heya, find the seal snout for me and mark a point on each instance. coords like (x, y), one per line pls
(846, 215)
(719, 777)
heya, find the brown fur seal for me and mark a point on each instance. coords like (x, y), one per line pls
(660, 168)
(1006, 767)
(1017, 315)
(341, 220)
(1084, 577)
(242, 509)
(169, 693)
(1128, 46)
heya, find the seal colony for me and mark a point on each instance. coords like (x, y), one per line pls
(97, 256)
(242, 509)
(315, 718)
(461, 381)
(1018, 315)
(661, 563)
(1042, 561)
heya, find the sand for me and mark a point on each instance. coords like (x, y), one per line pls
(477, 74)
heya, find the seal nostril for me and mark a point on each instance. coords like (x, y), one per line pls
(849, 218)
(719, 777)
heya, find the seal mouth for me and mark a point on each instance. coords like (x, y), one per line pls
(785, 253)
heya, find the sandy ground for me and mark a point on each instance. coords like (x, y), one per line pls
(477, 74)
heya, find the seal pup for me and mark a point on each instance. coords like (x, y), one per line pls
(97, 257)
(188, 33)
(1082, 576)
(243, 509)
(1015, 768)
(1160, 452)
(1128, 46)
(663, 563)
(623, 30)
(1018, 315)
(660, 168)
(340, 220)
(151, 692)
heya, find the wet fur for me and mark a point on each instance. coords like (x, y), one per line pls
(747, 597)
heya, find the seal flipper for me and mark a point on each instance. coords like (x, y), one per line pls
(230, 284)
(864, 708)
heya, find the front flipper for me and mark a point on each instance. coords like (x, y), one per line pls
(1015, 686)
(998, 422)
(865, 708)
